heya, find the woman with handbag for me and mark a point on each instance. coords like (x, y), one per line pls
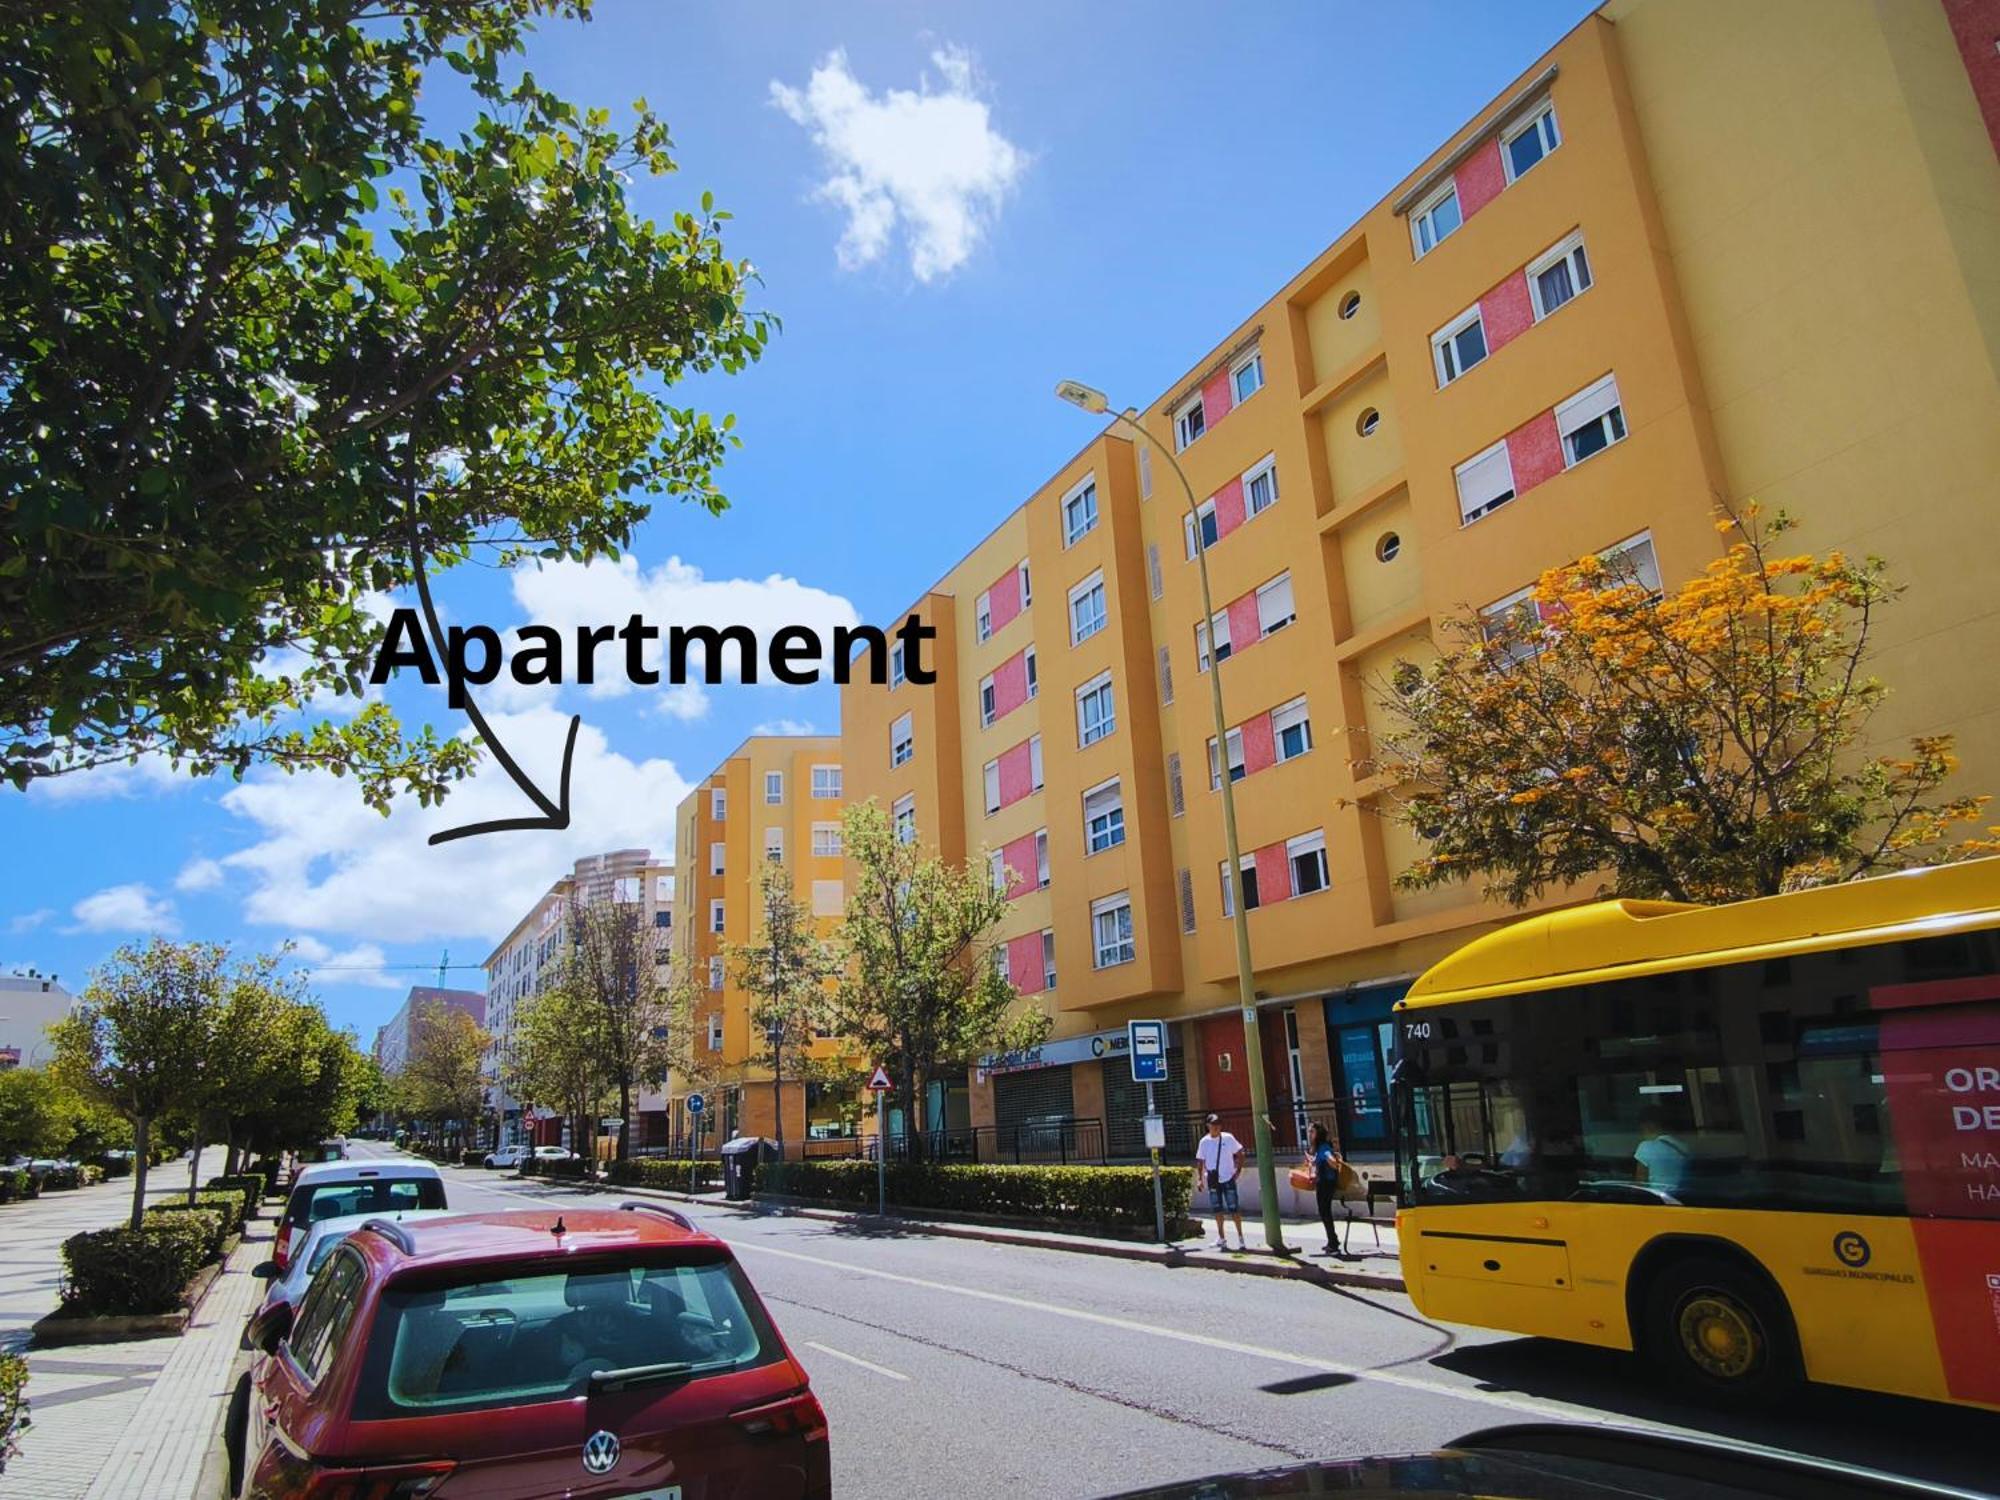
(1322, 1170)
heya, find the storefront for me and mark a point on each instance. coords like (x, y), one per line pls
(1358, 1035)
(1074, 1099)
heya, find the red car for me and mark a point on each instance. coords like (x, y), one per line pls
(597, 1354)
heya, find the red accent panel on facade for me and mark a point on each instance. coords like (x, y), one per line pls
(1480, 178)
(1274, 875)
(1003, 599)
(1024, 963)
(1010, 684)
(1229, 507)
(1260, 746)
(1975, 24)
(1244, 629)
(1215, 399)
(1506, 311)
(1535, 450)
(1019, 857)
(1017, 774)
(1224, 1087)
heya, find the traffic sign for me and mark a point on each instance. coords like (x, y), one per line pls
(1147, 1047)
(880, 1084)
(696, 1104)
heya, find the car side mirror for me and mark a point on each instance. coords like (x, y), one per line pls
(265, 1270)
(276, 1327)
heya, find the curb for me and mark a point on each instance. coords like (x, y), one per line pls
(1254, 1263)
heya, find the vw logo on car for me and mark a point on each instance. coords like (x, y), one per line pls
(600, 1453)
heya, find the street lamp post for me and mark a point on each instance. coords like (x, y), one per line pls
(1096, 402)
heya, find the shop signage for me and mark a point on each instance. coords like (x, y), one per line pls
(1058, 1054)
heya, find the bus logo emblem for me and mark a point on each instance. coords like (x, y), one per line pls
(1850, 1249)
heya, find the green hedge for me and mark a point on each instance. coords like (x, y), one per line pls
(472, 1156)
(13, 1405)
(576, 1167)
(116, 1166)
(18, 1182)
(1083, 1197)
(225, 1209)
(659, 1172)
(62, 1179)
(120, 1271)
(249, 1186)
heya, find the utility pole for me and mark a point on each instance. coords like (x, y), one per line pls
(444, 962)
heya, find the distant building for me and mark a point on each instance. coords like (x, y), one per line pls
(392, 1042)
(29, 1004)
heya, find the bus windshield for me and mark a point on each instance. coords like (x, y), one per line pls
(1770, 1084)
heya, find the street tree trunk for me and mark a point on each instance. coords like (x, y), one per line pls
(778, 1097)
(624, 1117)
(194, 1163)
(142, 1143)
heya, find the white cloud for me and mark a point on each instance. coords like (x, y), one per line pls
(929, 159)
(326, 864)
(199, 875)
(28, 921)
(566, 595)
(363, 964)
(784, 726)
(123, 908)
(148, 775)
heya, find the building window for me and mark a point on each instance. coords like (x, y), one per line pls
(829, 898)
(1035, 762)
(774, 788)
(1034, 678)
(1458, 346)
(664, 920)
(628, 888)
(1111, 926)
(1433, 223)
(1247, 378)
(896, 677)
(1190, 422)
(1387, 545)
(826, 783)
(903, 818)
(715, 1033)
(1027, 583)
(1275, 609)
(1520, 611)
(982, 617)
(1291, 729)
(1001, 965)
(988, 702)
(992, 787)
(1096, 713)
(1260, 488)
(1079, 512)
(1042, 858)
(1154, 579)
(1103, 817)
(1349, 306)
(715, 974)
(1086, 609)
(715, 916)
(1176, 790)
(1528, 143)
(1590, 421)
(1048, 958)
(1307, 856)
(1201, 529)
(826, 840)
(718, 804)
(715, 858)
(1145, 472)
(1236, 769)
(1485, 482)
(902, 741)
(1216, 631)
(1367, 422)
(774, 845)
(1184, 881)
(1558, 276)
(1632, 561)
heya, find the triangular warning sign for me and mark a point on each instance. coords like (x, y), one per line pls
(880, 1084)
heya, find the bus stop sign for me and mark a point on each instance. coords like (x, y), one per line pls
(1147, 1047)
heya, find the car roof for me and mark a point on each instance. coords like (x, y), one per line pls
(348, 1223)
(524, 1234)
(366, 1169)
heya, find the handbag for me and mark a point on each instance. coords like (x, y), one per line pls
(1304, 1179)
(1350, 1181)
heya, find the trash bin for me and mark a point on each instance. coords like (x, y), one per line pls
(740, 1158)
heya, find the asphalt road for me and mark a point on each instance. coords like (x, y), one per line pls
(954, 1366)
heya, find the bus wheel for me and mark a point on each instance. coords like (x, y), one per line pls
(1719, 1331)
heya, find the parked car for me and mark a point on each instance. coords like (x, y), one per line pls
(554, 1153)
(340, 1189)
(507, 1156)
(592, 1354)
(273, 1318)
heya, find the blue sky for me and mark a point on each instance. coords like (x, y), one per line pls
(951, 207)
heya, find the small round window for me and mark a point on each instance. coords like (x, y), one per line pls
(1350, 304)
(1369, 421)
(1387, 545)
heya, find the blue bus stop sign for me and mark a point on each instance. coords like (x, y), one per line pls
(696, 1104)
(1147, 1047)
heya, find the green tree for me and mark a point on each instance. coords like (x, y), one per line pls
(1696, 745)
(786, 975)
(264, 339)
(140, 1037)
(443, 1078)
(613, 961)
(38, 1113)
(560, 1058)
(921, 989)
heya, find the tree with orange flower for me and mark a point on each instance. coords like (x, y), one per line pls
(1695, 745)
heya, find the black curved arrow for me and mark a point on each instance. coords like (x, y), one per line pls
(555, 815)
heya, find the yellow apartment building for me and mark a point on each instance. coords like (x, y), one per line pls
(774, 799)
(1699, 252)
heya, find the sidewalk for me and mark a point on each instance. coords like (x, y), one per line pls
(128, 1419)
(1375, 1267)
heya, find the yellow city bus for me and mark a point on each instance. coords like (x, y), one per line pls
(1757, 1143)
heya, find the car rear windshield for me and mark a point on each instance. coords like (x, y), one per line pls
(539, 1336)
(374, 1195)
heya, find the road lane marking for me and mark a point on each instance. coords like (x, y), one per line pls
(1539, 1407)
(855, 1359)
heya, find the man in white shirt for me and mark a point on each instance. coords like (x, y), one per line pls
(1662, 1160)
(1218, 1160)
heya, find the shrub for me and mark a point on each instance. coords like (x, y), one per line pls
(472, 1156)
(226, 1209)
(63, 1178)
(145, 1270)
(17, 1182)
(115, 1165)
(659, 1172)
(575, 1167)
(1105, 1197)
(92, 1173)
(13, 1405)
(248, 1186)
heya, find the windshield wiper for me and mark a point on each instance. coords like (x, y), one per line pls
(631, 1375)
